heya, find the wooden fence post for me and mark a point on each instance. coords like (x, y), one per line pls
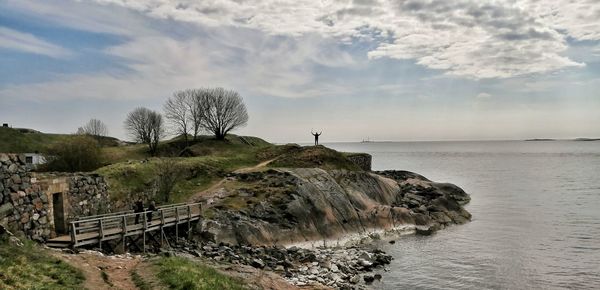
(73, 234)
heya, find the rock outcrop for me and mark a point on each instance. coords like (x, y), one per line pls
(288, 206)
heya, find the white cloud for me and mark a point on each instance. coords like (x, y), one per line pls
(25, 42)
(470, 38)
(81, 15)
(483, 96)
(156, 65)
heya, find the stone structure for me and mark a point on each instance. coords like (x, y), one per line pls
(41, 206)
(362, 160)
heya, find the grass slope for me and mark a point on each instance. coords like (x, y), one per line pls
(14, 141)
(210, 161)
(294, 156)
(30, 267)
(24, 141)
(184, 274)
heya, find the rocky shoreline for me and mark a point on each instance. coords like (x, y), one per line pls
(325, 218)
(337, 267)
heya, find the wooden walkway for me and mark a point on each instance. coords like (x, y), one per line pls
(120, 226)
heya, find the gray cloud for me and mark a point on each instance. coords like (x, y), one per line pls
(470, 38)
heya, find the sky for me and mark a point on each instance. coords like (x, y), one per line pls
(400, 70)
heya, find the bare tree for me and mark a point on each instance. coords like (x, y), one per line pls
(93, 127)
(167, 173)
(178, 112)
(145, 126)
(221, 110)
(195, 112)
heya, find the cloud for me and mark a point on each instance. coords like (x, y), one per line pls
(29, 43)
(158, 64)
(483, 96)
(468, 38)
(81, 15)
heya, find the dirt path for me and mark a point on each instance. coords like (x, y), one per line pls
(213, 189)
(116, 269)
(254, 168)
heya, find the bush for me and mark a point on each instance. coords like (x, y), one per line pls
(80, 153)
(167, 172)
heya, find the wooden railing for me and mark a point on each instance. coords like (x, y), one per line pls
(96, 229)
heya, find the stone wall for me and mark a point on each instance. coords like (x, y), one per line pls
(23, 206)
(362, 160)
(88, 195)
(27, 199)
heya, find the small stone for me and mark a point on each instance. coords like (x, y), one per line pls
(355, 279)
(365, 263)
(35, 216)
(257, 263)
(334, 268)
(38, 204)
(24, 218)
(368, 279)
(13, 168)
(16, 179)
(43, 220)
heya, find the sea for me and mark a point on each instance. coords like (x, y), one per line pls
(535, 207)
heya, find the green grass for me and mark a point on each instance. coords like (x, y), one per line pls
(30, 267)
(139, 281)
(181, 273)
(21, 141)
(127, 179)
(106, 278)
(313, 156)
(14, 141)
(211, 160)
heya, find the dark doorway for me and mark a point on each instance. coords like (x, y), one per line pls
(59, 213)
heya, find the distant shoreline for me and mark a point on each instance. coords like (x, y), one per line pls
(576, 139)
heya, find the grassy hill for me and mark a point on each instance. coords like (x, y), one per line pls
(204, 161)
(30, 141)
(132, 172)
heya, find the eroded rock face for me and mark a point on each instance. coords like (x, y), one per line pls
(286, 206)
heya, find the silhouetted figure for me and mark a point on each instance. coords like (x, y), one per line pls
(316, 137)
(138, 208)
(151, 210)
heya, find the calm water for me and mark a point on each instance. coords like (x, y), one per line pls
(536, 215)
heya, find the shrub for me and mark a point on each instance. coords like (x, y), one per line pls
(80, 153)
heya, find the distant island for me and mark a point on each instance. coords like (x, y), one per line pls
(540, 139)
(576, 139)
